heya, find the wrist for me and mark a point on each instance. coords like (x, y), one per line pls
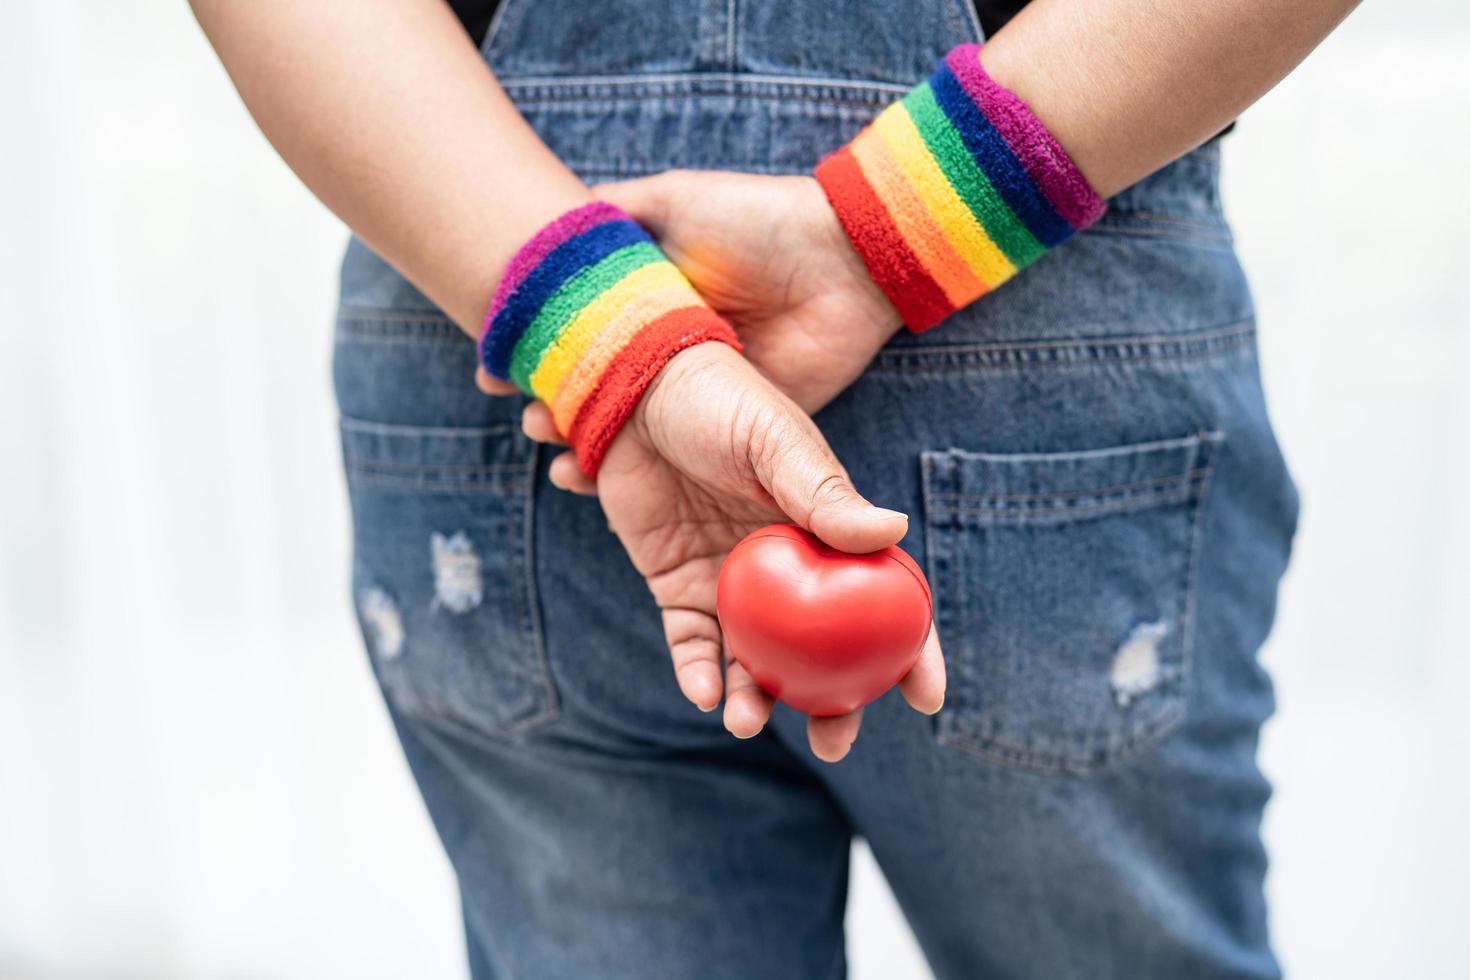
(828, 233)
(952, 190)
(668, 393)
(588, 314)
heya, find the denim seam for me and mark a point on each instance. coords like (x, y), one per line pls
(358, 325)
(532, 599)
(672, 80)
(795, 103)
(1145, 737)
(1137, 449)
(1075, 363)
(366, 326)
(415, 431)
(466, 469)
(1177, 235)
(969, 14)
(1012, 516)
(489, 44)
(730, 36)
(425, 485)
(1192, 577)
(1042, 353)
(602, 170)
(349, 313)
(1160, 218)
(1074, 494)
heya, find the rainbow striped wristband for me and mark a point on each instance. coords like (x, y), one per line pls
(589, 310)
(953, 189)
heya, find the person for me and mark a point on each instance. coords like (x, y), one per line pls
(1081, 460)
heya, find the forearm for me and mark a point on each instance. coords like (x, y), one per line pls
(1126, 86)
(386, 111)
(1009, 149)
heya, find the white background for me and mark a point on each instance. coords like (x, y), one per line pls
(196, 777)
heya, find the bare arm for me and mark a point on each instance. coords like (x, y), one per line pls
(386, 111)
(1127, 86)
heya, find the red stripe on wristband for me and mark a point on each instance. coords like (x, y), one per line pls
(621, 386)
(893, 265)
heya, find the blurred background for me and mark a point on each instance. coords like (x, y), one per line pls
(197, 778)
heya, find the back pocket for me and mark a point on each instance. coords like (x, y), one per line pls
(442, 572)
(1063, 588)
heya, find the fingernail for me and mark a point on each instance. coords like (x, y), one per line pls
(884, 514)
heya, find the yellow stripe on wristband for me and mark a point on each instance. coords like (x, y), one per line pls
(592, 319)
(577, 382)
(954, 217)
(934, 252)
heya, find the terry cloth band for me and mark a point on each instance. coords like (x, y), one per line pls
(588, 311)
(953, 189)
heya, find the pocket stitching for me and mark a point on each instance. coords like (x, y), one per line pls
(445, 477)
(504, 478)
(1073, 494)
(531, 605)
(1171, 716)
(426, 483)
(1017, 515)
(1060, 354)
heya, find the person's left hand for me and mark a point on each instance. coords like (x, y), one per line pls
(770, 256)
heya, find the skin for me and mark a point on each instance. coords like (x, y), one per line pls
(386, 111)
(679, 503)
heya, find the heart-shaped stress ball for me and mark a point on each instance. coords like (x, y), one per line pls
(822, 630)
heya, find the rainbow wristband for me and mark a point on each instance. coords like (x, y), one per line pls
(589, 310)
(953, 189)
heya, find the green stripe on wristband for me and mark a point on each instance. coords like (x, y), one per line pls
(1007, 230)
(569, 300)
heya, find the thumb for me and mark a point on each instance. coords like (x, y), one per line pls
(803, 476)
(646, 199)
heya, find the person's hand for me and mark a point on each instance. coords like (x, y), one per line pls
(769, 255)
(712, 453)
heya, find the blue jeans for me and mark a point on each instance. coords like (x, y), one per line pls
(1095, 493)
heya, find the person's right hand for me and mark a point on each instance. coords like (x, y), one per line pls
(712, 453)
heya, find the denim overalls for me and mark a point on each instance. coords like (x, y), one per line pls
(1094, 491)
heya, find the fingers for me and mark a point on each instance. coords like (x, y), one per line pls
(694, 643)
(807, 482)
(831, 738)
(923, 685)
(566, 474)
(537, 424)
(747, 707)
(492, 385)
(645, 199)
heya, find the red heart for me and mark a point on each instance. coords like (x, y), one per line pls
(824, 631)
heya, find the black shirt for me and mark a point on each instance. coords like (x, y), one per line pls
(476, 14)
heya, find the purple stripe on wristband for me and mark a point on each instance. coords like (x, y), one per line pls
(1046, 162)
(543, 243)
